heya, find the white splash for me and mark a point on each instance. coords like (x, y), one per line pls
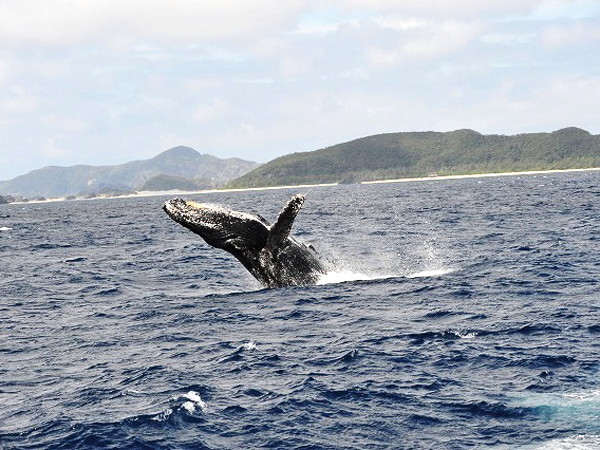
(343, 276)
(194, 402)
(5, 229)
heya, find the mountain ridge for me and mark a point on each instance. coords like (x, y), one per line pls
(84, 179)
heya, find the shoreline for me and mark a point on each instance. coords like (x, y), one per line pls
(398, 180)
(175, 192)
(481, 175)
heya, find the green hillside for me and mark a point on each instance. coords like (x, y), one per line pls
(416, 154)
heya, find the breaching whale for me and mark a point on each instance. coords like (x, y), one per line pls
(268, 252)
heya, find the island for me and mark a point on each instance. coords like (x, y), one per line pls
(422, 154)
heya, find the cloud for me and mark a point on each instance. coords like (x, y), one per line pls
(64, 124)
(425, 39)
(562, 36)
(565, 9)
(63, 22)
(20, 102)
(211, 111)
(443, 8)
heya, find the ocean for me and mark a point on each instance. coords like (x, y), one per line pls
(455, 314)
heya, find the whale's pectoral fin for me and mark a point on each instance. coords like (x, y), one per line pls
(281, 229)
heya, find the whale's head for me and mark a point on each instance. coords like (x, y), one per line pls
(218, 226)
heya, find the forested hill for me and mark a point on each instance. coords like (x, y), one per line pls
(415, 154)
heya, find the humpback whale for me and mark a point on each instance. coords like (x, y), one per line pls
(267, 251)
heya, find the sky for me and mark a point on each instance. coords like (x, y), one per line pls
(109, 81)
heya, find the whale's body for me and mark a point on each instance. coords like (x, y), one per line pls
(269, 252)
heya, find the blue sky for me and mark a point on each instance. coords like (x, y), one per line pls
(105, 81)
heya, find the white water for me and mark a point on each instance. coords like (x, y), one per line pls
(578, 442)
(342, 276)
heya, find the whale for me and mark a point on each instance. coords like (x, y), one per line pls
(268, 252)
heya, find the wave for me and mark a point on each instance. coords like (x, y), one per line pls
(419, 338)
(430, 273)
(589, 400)
(190, 404)
(580, 407)
(577, 442)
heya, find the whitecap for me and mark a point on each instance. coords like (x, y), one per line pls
(195, 401)
(250, 345)
(461, 335)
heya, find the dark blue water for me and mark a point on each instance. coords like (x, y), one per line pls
(459, 314)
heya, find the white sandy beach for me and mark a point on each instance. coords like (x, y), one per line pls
(480, 175)
(175, 192)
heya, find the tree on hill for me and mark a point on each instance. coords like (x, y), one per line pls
(416, 154)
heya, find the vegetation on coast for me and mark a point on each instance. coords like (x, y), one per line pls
(418, 154)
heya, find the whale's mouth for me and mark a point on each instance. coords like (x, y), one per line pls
(218, 226)
(193, 214)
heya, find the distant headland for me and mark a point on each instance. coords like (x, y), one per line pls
(422, 154)
(177, 168)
